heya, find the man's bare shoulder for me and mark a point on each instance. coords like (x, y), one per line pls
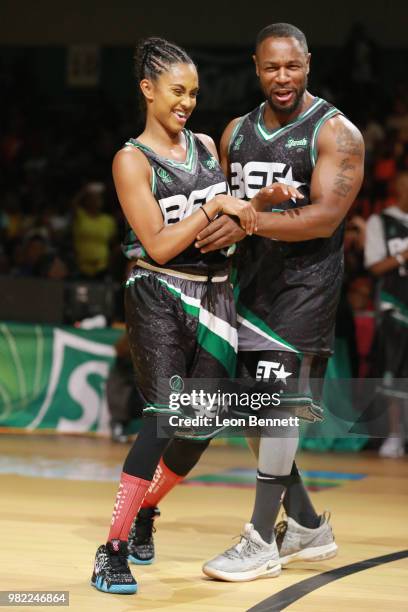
(341, 135)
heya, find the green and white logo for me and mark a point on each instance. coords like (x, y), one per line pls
(164, 175)
(238, 142)
(211, 163)
(296, 143)
(55, 378)
(176, 383)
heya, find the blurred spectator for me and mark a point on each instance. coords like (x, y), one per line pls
(359, 296)
(4, 261)
(11, 217)
(93, 232)
(385, 168)
(53, 267)
(359, 66)
(373, 134)
(11, 142)
(354, 240)
(124, 400)
(386, 256)
(398, 121)
(28, 256)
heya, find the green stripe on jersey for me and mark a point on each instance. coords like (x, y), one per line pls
(216, 336)
(191, 158)
(132, 279)
(386, 299)
(400, 318)
(162, 409)
(235, 284)
(217, 347)
(153, 181)
(272, 135)
(252, 321)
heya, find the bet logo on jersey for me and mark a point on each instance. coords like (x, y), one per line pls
(246, 181)
(176, 207)
(397, 245)
(265, 369)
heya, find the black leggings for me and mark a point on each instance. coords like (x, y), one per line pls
(180, 456)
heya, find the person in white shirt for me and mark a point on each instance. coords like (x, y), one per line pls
(386, 256)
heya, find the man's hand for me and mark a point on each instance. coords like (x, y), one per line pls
(219, 234)
(275, 194)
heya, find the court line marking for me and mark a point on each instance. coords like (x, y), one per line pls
(286, 597)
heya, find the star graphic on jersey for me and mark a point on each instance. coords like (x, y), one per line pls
(281, 374)
(288, 180)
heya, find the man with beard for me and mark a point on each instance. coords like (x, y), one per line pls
(289, 278)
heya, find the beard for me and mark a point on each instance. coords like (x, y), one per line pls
(288, 110)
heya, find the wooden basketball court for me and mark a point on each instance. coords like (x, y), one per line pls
(53, 520)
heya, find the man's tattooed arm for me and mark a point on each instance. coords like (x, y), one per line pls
(348, 142)
(336, 180)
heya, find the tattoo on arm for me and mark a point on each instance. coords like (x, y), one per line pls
(343, 183)
(348, 142)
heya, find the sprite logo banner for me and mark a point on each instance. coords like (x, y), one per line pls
(54, 378)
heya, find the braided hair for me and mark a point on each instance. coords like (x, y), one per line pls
(154, 56)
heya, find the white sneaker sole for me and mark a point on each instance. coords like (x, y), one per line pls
(263, 571)
(313, 553)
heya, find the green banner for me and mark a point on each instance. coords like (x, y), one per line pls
(54, 377)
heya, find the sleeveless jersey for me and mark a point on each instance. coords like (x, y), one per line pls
(288, 291)
(394, 285)
(180, 188)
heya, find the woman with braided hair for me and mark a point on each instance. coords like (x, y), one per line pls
(179, 306)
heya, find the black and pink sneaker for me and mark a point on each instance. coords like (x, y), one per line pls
(140, 543)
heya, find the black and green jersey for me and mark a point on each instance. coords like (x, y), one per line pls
(180, 188)
(394, 284)
(288, 291)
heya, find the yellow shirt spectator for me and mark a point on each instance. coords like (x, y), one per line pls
(92, 234)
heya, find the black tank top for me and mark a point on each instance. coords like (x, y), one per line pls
(288, 291)
(180, 188)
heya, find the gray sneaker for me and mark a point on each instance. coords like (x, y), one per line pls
(249, 559)
(297, 543)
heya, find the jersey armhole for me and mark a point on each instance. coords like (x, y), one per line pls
(153, 180)
(198, 140)
(235, 132)
(313, 145)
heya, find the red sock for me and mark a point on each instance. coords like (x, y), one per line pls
(163, 482)
(129, 498)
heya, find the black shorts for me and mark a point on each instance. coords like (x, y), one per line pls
(178, 328)
(297, 378)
